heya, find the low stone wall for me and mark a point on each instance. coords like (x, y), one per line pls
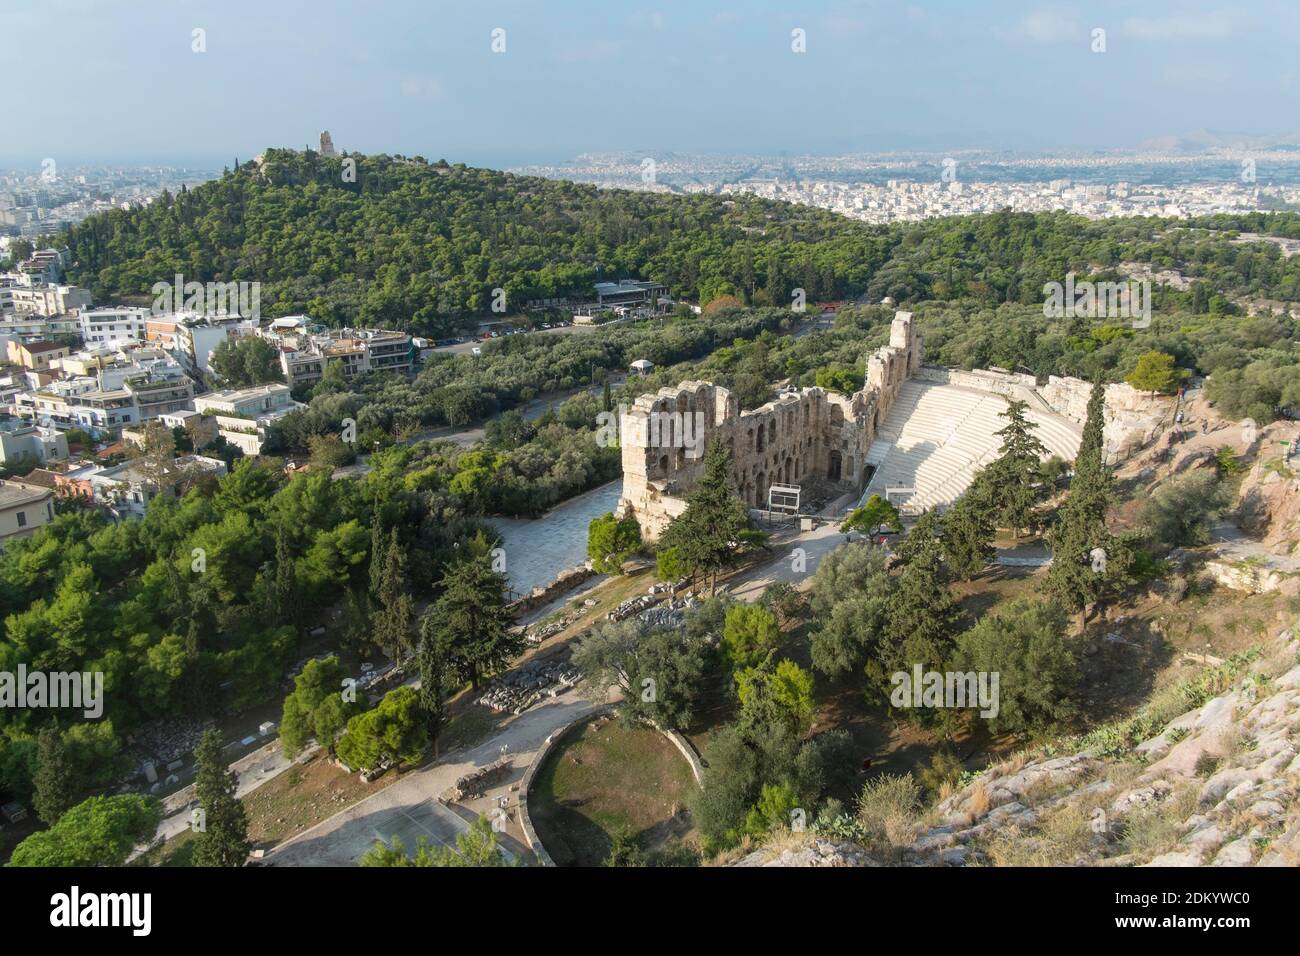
(688, 751)
(526, 786)
(564, 582)
(525, 789)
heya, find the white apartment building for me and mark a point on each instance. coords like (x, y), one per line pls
(39, 443)
(198, 335)
(303, 357)
(23, 508)
(49, 300)
(244, 416)
(116, 326)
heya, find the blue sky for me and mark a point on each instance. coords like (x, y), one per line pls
(118, 78)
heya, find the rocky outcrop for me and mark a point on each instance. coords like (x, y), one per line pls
(1268, 502)
(816, 852)
(1217, 784)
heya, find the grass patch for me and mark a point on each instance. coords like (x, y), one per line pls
(611, 779)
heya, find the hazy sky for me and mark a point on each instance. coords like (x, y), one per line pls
(119, 78)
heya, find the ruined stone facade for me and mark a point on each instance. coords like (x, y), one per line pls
(804, 435)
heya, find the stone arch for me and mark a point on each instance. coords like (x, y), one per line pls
(835, 466)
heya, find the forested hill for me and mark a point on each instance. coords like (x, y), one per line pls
(412, 244)
(420, 246)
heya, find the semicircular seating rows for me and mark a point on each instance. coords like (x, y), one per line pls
(937, 437)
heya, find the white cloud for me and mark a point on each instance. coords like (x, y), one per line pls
(1049, 26)
(1195, 74)
(422, 87)
(1196, 26)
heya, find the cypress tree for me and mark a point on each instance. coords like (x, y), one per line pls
(968, 531)
(396, 612)
(1080, 572)
(706, 535)
(433, 679)
(55, 783)
(1015, 477)
(224, 838)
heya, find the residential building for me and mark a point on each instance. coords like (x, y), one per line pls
(24, 507)
(36, 356)
(198, 335)
(30, 328)
(244, 416)
(37, 443)
(303, 357)
(126, 489)
(116, 326)
(45, 265)
(49, 300)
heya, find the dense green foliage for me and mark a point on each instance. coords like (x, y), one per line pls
(662, 672)
(100, 831)
(416, 245)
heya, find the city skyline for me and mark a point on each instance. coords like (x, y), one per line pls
(437, 80)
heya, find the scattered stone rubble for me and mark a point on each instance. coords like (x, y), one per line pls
(167, 741)
(526, 685)
(478, 781)
(631, 606)
(672, 614)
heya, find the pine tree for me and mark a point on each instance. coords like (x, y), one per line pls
(56, 783)
(223, 841)
(706, 536)
(470, 623)
(921, 616)
(1014, 478)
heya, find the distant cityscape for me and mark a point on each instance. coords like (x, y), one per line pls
(911, 187)
(40, 202)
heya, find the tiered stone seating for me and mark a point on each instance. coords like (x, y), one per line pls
(936, 437)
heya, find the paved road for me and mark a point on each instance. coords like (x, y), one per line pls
(1231, 542)
(409, 808)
